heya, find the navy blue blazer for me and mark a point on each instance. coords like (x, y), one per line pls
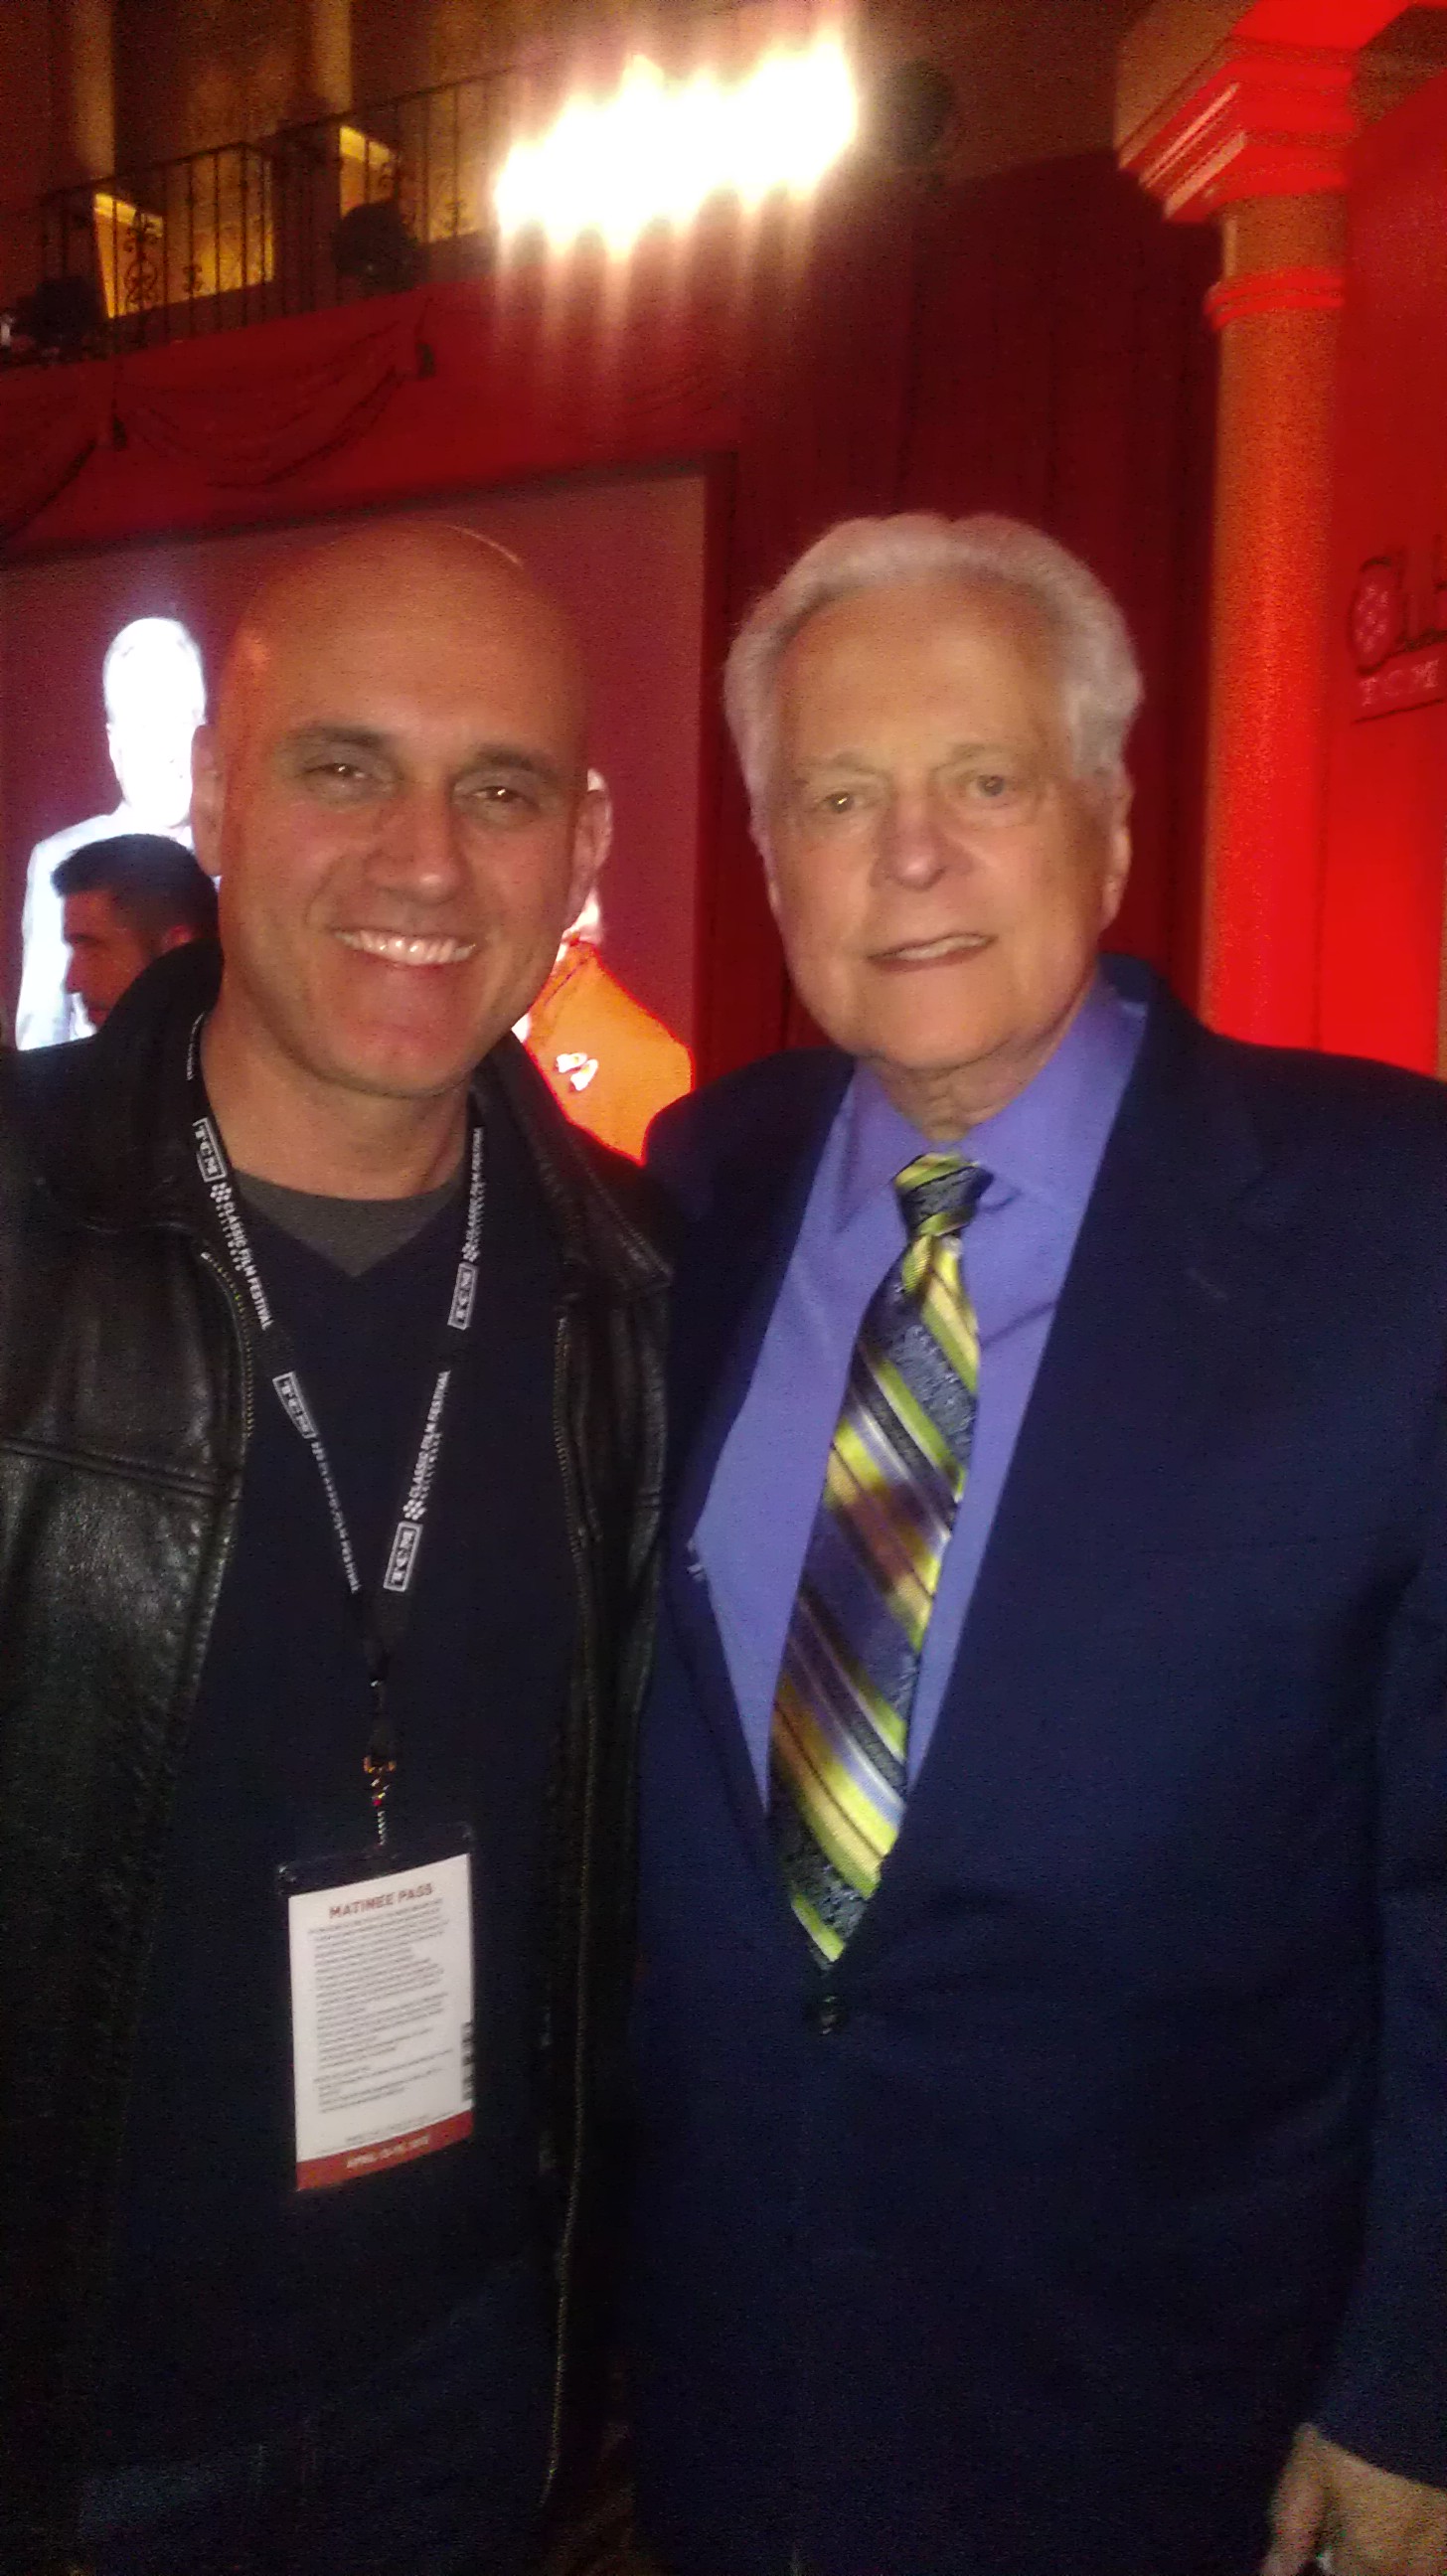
(1116, 2145)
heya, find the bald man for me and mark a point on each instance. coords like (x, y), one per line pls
(329, 1429)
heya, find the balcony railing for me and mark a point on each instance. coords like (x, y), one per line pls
(364, 203)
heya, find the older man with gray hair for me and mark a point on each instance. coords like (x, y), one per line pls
(1042, 2026)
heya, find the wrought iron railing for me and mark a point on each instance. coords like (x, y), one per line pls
(370, 201)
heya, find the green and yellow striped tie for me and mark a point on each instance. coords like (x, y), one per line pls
(897, 1469)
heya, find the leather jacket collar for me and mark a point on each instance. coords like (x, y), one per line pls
(107, 1128)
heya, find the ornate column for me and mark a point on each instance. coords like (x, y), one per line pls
(82, 91)
(1255, 134)
(326, 63)
(1245, 114)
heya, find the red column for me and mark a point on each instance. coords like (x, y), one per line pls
(1256, 135)
(1276, 309)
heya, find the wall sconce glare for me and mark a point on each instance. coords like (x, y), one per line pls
(658, 149)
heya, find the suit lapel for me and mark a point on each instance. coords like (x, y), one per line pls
(1156, 1325)
(1152, 1321)
(728, 1277)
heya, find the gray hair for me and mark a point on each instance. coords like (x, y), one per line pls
(1100, 676)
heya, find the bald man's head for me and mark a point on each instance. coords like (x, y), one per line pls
(394, 796)
(427, 569)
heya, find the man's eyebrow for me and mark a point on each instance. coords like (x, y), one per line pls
(836, 760)
(972, 750)
(336, 737)
(509, 756)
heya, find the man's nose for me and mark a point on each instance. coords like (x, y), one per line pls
(72, 984)
(421, 844)
(913, 849)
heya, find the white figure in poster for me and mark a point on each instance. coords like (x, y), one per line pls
(155, 697)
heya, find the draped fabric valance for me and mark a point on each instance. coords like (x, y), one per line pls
(50, 419)
(211, 408)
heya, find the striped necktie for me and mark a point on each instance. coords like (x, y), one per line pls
(896, 1471)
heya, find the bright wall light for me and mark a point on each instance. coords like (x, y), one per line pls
(658, 149)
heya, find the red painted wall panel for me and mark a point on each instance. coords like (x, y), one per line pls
(1387, 779)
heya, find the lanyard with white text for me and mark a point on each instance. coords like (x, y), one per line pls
(381, 1615)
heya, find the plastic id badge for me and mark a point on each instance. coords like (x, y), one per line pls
(381, 2011)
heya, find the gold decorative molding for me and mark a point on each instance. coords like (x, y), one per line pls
(1278, 290)
(1257, 120)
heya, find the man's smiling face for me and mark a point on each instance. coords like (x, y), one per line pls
(940, 875)
(395, 802)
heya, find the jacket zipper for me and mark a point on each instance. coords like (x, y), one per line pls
(590, 1691)
(248, 1414)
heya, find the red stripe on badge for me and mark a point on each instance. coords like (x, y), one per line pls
(323, 2172)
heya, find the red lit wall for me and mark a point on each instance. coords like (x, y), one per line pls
(1381, 959)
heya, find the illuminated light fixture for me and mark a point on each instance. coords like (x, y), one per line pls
(658, 149)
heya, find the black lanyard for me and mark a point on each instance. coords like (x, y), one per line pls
(382, 1612)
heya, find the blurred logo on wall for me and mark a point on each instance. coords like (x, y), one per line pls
(1397, 632)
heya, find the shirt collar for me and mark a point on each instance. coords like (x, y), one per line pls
(1047, 1141)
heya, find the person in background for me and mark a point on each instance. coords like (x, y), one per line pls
(154, 693)
(1042, 2026)
(607, 1061)
(330, 1453)
(124, 902)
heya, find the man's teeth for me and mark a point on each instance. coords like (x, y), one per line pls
(401, 950)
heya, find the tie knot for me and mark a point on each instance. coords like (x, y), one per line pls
(939, 1193)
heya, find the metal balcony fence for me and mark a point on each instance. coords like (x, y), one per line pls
(370, 201)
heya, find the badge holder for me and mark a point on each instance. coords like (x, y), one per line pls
(379, 1943)
(379, 1948)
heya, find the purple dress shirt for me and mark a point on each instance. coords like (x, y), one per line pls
(1043, 1150)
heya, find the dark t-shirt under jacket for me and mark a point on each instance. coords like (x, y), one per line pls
(238, 2306)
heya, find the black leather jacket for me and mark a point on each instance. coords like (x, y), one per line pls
(125, 1406)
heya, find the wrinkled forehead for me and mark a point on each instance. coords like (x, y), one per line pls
(968, 657)
(417, 656)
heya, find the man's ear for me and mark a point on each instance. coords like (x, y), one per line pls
(208, 797)
(1117, 855)
(178, 936)
(592, 839)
